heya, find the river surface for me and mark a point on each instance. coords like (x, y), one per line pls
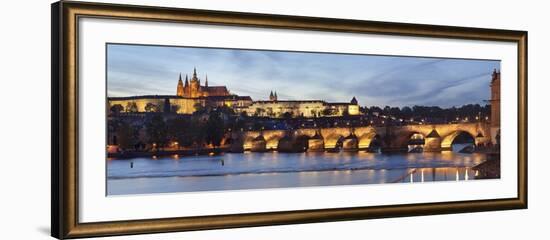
(234, 171)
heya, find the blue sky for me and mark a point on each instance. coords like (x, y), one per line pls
(373, 80)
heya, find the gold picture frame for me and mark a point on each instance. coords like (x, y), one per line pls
(65, 112)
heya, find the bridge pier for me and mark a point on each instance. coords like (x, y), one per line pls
(236, 148)
(285, 144)
(446, 149)
(394, 149)
(316, 145)
(258, 146)
(432, 144)
(350, 144)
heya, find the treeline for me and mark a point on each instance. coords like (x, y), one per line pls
(205, 127)
(430, 112)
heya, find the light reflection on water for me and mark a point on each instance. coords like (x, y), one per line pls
(251, 170)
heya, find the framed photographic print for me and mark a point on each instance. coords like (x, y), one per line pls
(222, 119)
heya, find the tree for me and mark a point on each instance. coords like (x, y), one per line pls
(287, 115)
(395, 111)
(188, 131)
(167, 107)
(126, 135)
(156, 130)
(117, 108)
(327, 112)
(131, 107)
(270, 112)
(151, 107)
(406, 112)
(386, 110)
(174, 108)
(225, 110)
(259, 112)
(214, 129)
(176, 127)
(374, 110)
(200, 109)
(196, 132)
(314, 113)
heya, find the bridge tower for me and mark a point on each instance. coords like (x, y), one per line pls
(495, 106)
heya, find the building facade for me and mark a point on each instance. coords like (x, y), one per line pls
(300, 108)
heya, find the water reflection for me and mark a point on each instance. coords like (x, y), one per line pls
(275, 169)
(437, 174)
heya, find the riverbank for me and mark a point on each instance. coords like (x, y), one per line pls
(490, 169)
(159, 153)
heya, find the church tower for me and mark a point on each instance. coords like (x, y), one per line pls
(195, 85)
(180, 92)
(272, 96)
(186, 87)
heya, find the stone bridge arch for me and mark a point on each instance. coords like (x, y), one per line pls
(403, 140)
(272, 138)
(254, 144)
(260, 140)
(478, 131)
(316, 142)
(350, 142)
(366, 139)
(333, 140)
(447, 141)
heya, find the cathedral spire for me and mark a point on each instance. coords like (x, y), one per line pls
(273, 96)
(194, 73)
(206, 81)
(179, 90)
(186, 81)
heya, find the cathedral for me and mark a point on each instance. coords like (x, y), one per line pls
(193, 88)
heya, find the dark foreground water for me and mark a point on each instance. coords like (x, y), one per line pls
(233, 171)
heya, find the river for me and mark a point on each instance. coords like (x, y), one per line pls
(234, 171)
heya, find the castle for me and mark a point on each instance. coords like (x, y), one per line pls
(191, 94)
(193, 88)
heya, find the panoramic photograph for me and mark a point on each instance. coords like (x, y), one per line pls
(190, 119)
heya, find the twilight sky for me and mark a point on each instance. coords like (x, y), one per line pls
(373, 80)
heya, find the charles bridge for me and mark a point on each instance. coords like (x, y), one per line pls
(435, 137)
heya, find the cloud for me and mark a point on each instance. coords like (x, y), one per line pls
(374, 80)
